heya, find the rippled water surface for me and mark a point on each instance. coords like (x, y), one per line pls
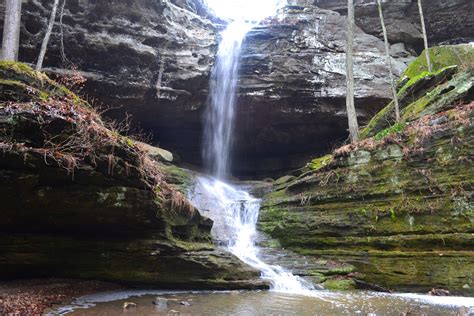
(268, 303)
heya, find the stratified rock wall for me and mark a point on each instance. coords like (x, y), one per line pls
(399, 204)
(447, 21)
(293, 87)
(147, 58)
(80, 201)
(152, 59)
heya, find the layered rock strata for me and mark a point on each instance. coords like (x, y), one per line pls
(81, 201)
(398, 204)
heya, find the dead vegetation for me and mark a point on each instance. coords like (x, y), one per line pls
(32, 297)
(412, 136)
(73, 136)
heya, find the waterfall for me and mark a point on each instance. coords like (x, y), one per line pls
(219, 118)
(234, 211)
(235, 214)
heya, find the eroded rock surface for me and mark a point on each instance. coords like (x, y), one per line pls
(292, 88)
(448, 21)
(152, 59)
(81, 201)
(398, 205)
(148, 58)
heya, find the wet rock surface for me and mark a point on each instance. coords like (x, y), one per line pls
(81, 201)
(397, 205)
(321, 273)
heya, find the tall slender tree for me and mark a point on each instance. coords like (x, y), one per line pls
(44, 45)
(351, 112)
(389, 62)
(61, 25)
(425, 37)
(11, 30)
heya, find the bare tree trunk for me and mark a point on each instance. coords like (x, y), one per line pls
(11, 30)
(61, 15)
(351, 112)
(389, 62)
(425, 37)
(44, 46)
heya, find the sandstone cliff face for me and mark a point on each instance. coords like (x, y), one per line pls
(448, 21)
(81, 201)
(292, 87)
(397, 205)
(152, 59)
(148, 58)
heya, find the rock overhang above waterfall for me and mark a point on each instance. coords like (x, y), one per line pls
(247, 10)
(294, 60)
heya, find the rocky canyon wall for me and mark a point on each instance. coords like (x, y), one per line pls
(152, 59)
(447, 22)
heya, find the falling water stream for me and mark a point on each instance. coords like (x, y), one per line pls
(234, 210)
(219, 117)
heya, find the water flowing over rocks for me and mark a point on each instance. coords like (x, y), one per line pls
(153, 59)
(398, 208)
(81, 201)
(397, 205)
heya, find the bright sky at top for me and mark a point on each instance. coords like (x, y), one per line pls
(251, 10)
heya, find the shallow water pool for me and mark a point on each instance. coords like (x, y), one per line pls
(266, 303)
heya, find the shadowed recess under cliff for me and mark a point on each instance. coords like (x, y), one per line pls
(292, 84)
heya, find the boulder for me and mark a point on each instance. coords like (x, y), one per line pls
(155, 153)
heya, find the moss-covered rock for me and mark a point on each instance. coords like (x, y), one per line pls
(79, 200)
(319, 163)
(179, 178)
(340, 284)
(441, 57)
(422, 92)
(155, 153)
(397, 205)
(19, 82)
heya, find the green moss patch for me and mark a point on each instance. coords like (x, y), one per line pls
(441, 57)
(397, 128)
(421, 89)
(340, 284)
(36, 83)
(319, 163)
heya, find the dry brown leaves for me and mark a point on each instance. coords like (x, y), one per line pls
(419, 130)
(32, 297)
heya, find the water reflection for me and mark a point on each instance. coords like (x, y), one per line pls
(270, 303)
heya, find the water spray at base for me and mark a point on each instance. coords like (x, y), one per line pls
(235, 213)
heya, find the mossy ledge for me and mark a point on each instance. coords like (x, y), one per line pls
(398, 205)
(421, 91)
(81, 201)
